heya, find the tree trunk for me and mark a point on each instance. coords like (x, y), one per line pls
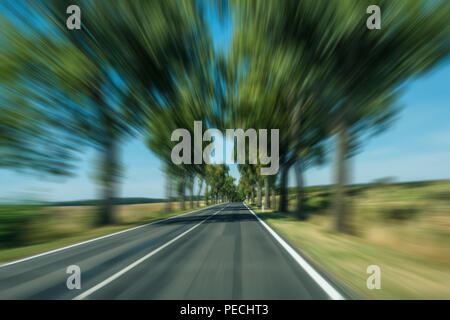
(109, 178)
(266, 192)
(168, 206)
(341, 179)
(283, 189)
(274, 199)
(182, 194)
(191, 190)
(199, 192)
(259, 191)
(206, 195)
(301, 214)
(109, 162)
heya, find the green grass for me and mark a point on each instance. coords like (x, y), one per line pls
(403, 228)
(56, 227)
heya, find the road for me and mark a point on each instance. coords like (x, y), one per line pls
(222, 252)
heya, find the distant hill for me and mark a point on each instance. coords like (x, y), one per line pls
(117, 201)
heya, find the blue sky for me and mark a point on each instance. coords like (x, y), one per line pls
(416, 147)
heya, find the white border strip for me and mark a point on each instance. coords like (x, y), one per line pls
(99, 238)
(134, 264)
(329, 290)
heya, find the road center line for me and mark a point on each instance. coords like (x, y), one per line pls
(328, 288)
(137, 262)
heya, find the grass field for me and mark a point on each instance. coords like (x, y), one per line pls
(54, 227)
(402, 228)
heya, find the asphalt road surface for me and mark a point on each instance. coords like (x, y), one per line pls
(223, 252)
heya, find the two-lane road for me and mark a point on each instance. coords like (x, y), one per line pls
(223, 252)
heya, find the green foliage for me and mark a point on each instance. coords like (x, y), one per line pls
(14, 221)
(399, 213)
(317, 202)
(66, 90)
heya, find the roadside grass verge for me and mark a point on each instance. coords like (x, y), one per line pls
(402, 228)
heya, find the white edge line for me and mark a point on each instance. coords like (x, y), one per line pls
(329, 290)
(134, 264)
(99, 238)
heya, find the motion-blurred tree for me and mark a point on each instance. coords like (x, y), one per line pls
(129, 52)
(33, 117)
(350, 72)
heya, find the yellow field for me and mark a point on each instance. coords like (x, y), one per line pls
(404, 229)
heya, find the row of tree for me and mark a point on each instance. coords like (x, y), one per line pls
(145, 68)
(135, 69)
(314, 70)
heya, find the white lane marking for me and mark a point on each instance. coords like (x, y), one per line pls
(329, 290)
(134, 264)
(99, 238)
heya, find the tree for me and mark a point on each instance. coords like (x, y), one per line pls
(348, 71)
(279, 86)
(33, 117)
(131, 54)
(372, 66)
